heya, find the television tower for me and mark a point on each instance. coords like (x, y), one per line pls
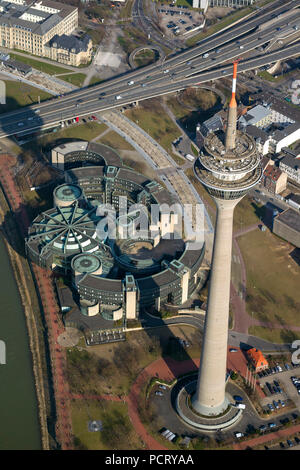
(228, 167)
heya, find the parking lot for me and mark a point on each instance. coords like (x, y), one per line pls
(279, 387)
(178, 21)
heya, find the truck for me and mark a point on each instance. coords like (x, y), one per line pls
(189, 157)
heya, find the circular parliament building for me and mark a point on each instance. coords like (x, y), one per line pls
(116, 268)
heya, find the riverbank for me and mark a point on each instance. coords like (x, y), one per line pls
(14, 245)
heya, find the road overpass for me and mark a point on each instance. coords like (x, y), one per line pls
(181, 71)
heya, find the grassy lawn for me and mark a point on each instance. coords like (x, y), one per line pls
(205, 104)
(114, 140)
(38, 65)
(76, 79)
(94, 80)
(86, 131)
(272, 278)
(79, 132)
(151, 117)
(125, 11)
(117, 432)
(145, 57)
(246, 213)
(20, 94)
(275, 335)
(220, 25)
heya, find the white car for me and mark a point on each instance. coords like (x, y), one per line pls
(131, 82)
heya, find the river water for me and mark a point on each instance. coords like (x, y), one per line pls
(19, 424)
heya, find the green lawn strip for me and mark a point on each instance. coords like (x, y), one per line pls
(125, 12)
(246, 213)
(156, 123)
(38, 65)
(145, 57)
(114, 140)
(83, 131)
(275, 335)
(272, 278)
(21, 94)
(117, 430)
(76, 79)
(95, 80)
(205, 104)
(194, 150)
(220, 25)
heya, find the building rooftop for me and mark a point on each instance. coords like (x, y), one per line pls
(70, 43)
(290, 218)
(257, 133)
(281, 106)
(295, 198)
(281, 134)
(272, 172)
(257, 357)
(255, 115)
(37, 17)
(101, 283)
(291, 162)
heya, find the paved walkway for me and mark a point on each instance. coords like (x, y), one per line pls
(50, 309)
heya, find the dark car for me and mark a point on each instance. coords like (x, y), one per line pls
(297, 440)
(285, 420)
(237, 398)
(289, 443)
(282, 445)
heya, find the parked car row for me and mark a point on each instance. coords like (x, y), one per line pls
(274, 388)
(290, 443)
(296, 383)
(269, 426)
(276, 405)
(276, 369)
(75, 120)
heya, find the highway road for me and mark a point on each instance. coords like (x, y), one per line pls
(187, 68)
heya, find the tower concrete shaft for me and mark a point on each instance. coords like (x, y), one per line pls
(228, 166)
(210, 398)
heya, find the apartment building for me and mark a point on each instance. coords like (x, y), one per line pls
(29, 25)
(69, 50)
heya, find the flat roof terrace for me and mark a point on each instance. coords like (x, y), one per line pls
(291, 218)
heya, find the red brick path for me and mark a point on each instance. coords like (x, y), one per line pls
(44, 283)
